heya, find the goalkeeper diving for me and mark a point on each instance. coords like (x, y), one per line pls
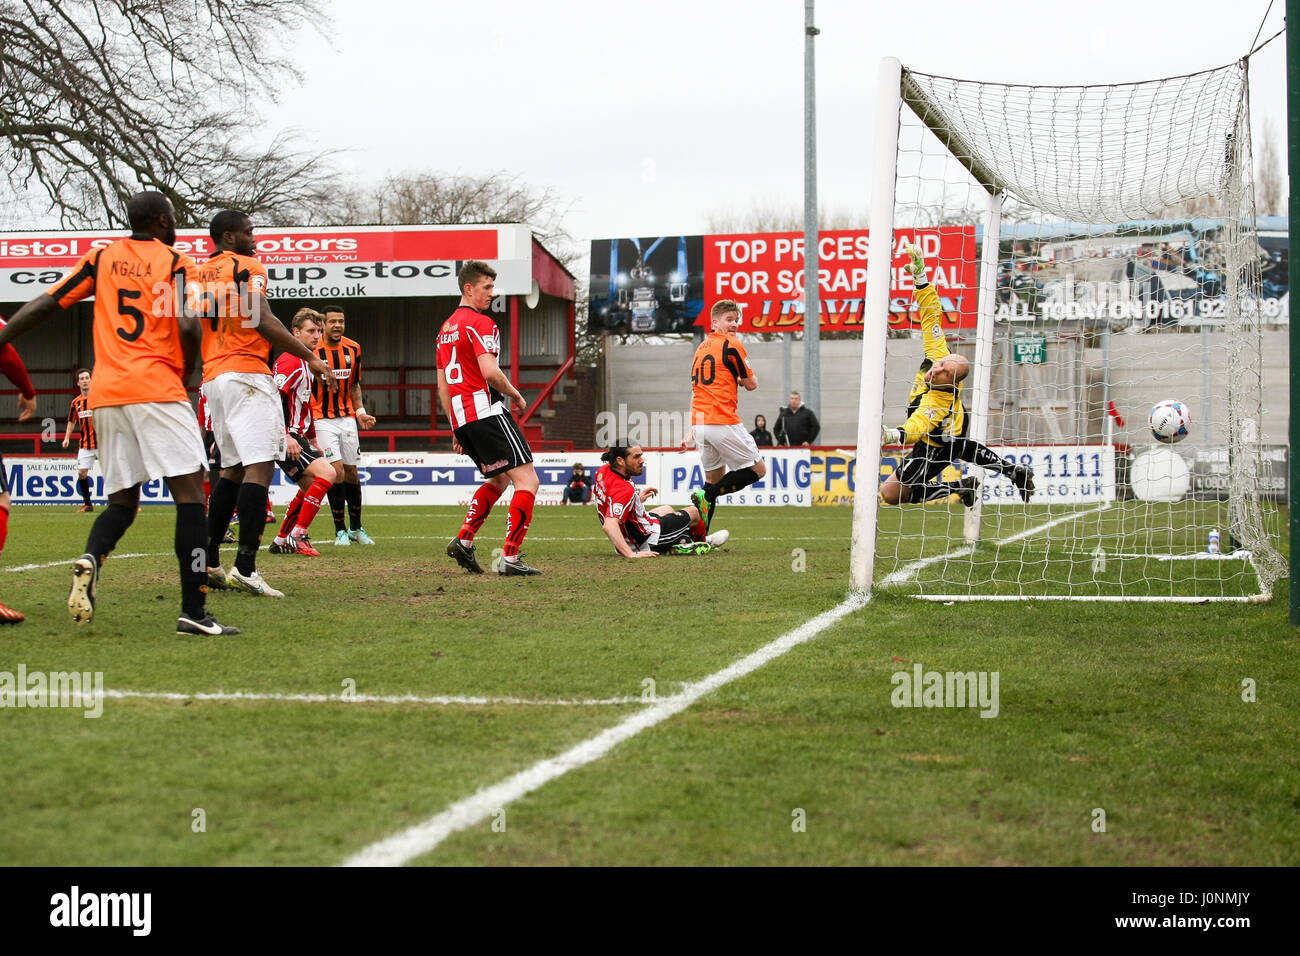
(936, 423)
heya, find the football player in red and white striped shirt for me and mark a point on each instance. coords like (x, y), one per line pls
(473, 391)
(635, 532)
(303, 464)
(12, 367)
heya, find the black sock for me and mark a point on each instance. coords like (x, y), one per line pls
(108, 529)
(221, 505)
(252, 524)
(940, 489)
(353, 494)
(191, 535)
(83, 485)
(963, 449)
(335, 496)
(731, 482)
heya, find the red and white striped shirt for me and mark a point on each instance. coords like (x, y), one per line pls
(463, 338)
(616, 497)
(293, 379)
(205, 413)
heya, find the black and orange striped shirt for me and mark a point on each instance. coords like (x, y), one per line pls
(345, 359)
(79, 415)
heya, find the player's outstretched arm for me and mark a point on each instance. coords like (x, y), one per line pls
(927, 301)
(614, 531)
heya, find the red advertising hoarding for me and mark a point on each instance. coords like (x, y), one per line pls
(764, 274)
(325, 262)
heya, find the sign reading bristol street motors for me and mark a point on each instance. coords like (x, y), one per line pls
(318, 263)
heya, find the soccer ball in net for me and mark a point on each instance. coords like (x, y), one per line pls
(1169, 421)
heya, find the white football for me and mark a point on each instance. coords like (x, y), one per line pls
(1170, 421)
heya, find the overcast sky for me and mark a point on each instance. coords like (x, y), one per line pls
(645, 118)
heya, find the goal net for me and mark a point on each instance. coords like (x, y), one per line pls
(1113, 233)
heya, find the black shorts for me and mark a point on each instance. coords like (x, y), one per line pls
(214, 453)
(295, 468)
(495, 443)
(673, 529)
(925, 463)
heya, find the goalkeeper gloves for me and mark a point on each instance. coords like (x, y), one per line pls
(916, 266)
(892, 436)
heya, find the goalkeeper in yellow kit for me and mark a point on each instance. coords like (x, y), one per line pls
(936, 423)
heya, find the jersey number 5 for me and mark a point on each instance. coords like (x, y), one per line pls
(129, 310)
(455, 374)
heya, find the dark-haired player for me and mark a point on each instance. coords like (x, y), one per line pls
(936, 417)
(239, 329)
(473, 391)
(728, 453)
(338, 414)
(636, 532)
(146, 343)
(79, 416)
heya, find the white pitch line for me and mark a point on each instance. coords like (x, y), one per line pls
(909, 571)
(421, 838)
(371, 699)
(68, 561)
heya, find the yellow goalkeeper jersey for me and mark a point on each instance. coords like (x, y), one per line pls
(933, 411)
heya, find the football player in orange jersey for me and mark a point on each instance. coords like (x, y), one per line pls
(337, 418)
(728, 454)
(239, 329)
(79, 415)
(146, 346)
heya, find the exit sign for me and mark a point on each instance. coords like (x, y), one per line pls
(1030, 349)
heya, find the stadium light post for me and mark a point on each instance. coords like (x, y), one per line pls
(1293, 278)
(812, 368)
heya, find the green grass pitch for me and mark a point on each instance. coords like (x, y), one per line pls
(1134, 710)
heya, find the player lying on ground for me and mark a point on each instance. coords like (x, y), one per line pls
(728, 454)
(638, 533)
(937, 421)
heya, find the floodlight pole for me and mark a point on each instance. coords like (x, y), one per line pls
(812, 367)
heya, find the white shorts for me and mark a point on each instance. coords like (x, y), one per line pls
(247, 418)
(728, 445)
(86, 457)
(337, 438)
(147, 440)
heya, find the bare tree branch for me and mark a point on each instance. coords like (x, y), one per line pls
(102, 98)
(440, 199)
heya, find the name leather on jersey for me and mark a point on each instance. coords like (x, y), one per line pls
(344, 372)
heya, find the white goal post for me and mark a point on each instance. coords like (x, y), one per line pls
(1118, 265)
